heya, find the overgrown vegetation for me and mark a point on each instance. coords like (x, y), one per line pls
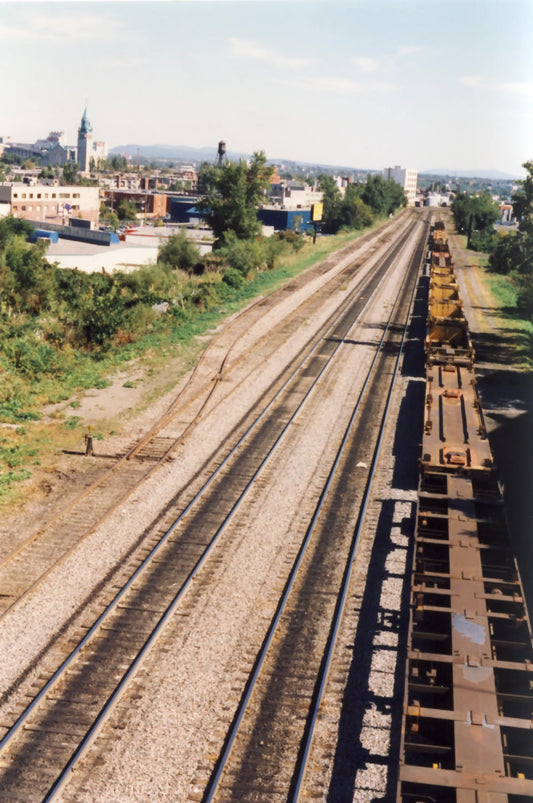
(232, 193)
(361, 203)
(475, 216)
(512, 255)
(63, 331)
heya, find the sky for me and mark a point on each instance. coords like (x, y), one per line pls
(425, 84)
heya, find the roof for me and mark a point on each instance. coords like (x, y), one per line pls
(85, 126)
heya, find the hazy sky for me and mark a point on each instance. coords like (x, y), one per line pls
(365, 83)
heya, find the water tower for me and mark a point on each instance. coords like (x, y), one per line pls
(221, 152)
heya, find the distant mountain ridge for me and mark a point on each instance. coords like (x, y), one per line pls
(209, 154)
(497, 175)
(206, 153)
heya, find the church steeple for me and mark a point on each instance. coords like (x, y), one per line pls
(85, 143)
(85, 126)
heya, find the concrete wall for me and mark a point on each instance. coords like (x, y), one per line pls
(80, 234)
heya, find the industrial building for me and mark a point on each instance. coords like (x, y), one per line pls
(150, 205)
(50, 203)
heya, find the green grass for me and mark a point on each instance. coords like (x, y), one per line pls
(505, 295)
(168, 337)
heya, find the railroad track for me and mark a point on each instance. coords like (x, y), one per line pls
(36, 556)
(65, 717)
(270, 742)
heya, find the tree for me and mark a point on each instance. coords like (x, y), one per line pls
(355, 214)
(476, 215)
(70, 170)
(332, 199)
(207, 178)
(178, 252)
(233, 194)
(11, 158)
(119, 163)
(350, 211)
(513, 253)
(108, 217)
(383, 196)
(127, 210)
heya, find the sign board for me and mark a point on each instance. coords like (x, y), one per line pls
(316, 212)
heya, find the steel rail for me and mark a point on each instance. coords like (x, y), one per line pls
(105, 476)
(8, 737)
(341, 602)
(172, 411)
(66, 554)
(283, 603)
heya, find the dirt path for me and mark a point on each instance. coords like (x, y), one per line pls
(506, 390)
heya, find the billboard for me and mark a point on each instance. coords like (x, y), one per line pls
(316, 212)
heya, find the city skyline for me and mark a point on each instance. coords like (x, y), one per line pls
(428, 84)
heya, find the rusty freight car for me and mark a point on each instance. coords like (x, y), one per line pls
(467, 733)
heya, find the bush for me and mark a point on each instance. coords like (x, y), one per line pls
(34, 359)
(179, 253)
(233, 278)
(101, 318)
(204, 296)
(483, 241)
(525, 295)
(243, 255)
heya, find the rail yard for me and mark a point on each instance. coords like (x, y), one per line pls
(276, 594)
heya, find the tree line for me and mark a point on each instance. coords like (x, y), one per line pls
(513, 253)
(510, 252)
(361, 203)
(50, 315)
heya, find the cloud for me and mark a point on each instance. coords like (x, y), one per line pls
(472, 81)
(340, 86)
(64, 27)
(387, 63)
(409, 50)
(513, 87)
(127, 62)
(365, 63)
(242, 48)
(516, 87)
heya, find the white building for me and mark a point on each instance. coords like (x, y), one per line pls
(407, 179)
(45, 202)
(291, 195)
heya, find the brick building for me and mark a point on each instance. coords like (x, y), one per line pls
(149, 204)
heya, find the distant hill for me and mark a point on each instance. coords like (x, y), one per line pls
(495, 175)
(206, 154)
(209, 154)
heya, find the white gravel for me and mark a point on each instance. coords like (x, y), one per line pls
(172, 729)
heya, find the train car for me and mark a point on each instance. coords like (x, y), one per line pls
(446, 308)
(467, 734)
(444, 292)
(448, 341)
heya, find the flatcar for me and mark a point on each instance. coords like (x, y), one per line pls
(467, 734)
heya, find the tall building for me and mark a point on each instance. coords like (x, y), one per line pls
(407, 179)
(85, 144)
